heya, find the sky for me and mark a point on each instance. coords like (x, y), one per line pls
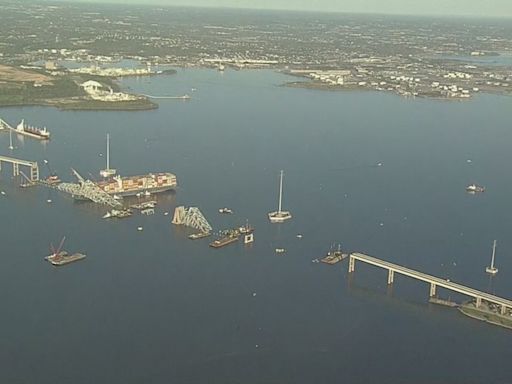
(484, 8)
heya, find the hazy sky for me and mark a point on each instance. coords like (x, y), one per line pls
(423, 7)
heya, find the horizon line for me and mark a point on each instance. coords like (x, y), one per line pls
(295, 10)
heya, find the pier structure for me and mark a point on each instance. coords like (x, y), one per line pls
(433, 281)
(191, 217)
(88, 190)
(34, 167)
(5, 125)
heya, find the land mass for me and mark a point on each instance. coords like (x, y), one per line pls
(64, 90)
(412, 57)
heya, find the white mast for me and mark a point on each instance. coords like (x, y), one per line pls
(108, 172)
(108, 151)
(280, 191)
(280, 216)
(10, 140)
(493, 254)
(492, 269)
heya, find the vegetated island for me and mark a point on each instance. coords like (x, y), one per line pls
(60, 88)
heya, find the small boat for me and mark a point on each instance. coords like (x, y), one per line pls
(148, 211)
(144, 205)
(280, 250)
(118, 213)
(199, 235)
(474, 188)
(225, 210)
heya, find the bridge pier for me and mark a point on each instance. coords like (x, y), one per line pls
(432, 289)
(391, 276)
(15, 169)
(503, 309)
(351, 264)
(34, 173)
(478, 302)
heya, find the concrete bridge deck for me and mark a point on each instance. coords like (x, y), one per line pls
(432, 280)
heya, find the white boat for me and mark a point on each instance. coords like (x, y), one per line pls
(279, 216)
(492, 269)
(225, 210)
(108, 172)
(474, 188)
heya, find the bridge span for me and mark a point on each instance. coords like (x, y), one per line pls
(434, 281)
(34, 167)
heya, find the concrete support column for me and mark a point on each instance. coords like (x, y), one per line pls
(351, 264)
(15, 169)
(503, 309)
(478, 302)
(432, 290)
(391, 276)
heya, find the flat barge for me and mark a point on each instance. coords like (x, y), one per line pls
(223, 241)
(447, 303)
(487, 312)
(63, 258)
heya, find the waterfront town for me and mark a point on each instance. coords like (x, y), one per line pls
(411, 57)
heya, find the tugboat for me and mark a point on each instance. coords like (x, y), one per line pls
(225, 210)
(59, 257)
(474, 188)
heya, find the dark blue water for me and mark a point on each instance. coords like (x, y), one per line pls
(155, 307)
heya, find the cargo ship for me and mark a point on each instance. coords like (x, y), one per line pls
(63, 258)
(488, 312)
(37, 133)
(132, 185)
